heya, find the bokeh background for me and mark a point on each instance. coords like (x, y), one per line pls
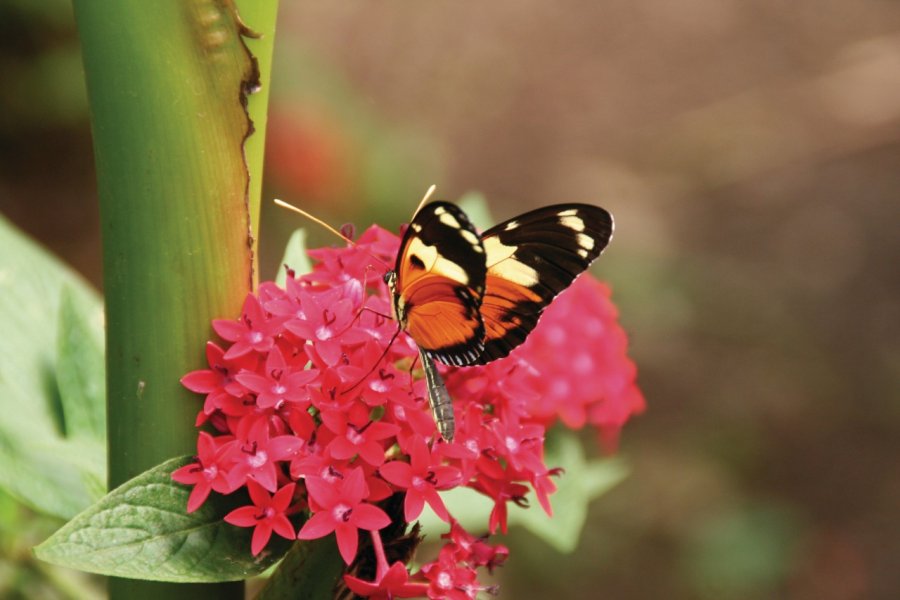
(750, 151)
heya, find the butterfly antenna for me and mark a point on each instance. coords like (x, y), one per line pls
(425, 198)
(284, 204)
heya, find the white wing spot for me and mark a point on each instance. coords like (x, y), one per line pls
(472, 239)
(569, 213)
(416, 227)
(583, 253)
(572, 222)
(448, 219)
(511, 225)
(436, 263)
(512, 269)
(585, 241)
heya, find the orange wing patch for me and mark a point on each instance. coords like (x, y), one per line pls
(509, 311)
(438, 284)
(444, 321)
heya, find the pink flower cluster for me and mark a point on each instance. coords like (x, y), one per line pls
(308, 426)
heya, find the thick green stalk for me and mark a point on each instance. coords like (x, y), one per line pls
(165, 81)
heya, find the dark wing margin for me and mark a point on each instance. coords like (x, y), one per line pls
(441, 279)
(531, 259)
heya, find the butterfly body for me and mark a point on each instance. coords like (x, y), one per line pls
(468, 298)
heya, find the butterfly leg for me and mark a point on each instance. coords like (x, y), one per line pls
(412, 367)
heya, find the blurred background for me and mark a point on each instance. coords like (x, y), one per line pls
(750, 152)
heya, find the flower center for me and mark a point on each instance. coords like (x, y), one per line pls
(444, 581)
(378, 386)
(341, 512)
(354, 436)
(257, 460)
(256, 337)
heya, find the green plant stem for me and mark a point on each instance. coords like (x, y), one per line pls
(164, 81)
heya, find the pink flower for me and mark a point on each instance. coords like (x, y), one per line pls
(474, 551)
(210, 472)
(280, 383)
(254, 331)
(394, 584)
(341, 509)
(581, 342)
(267, 514)
(421, 478)
(328, 320)
(390, 582)
(450, 581)
(350, 440)
(316, 413)
(218, 382)
(256, 457)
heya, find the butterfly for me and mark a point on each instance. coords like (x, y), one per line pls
(467, 298)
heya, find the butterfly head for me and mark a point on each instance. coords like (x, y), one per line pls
(397, 303)
(390, 279)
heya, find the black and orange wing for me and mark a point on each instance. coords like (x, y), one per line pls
(531, 259)
(439, 282)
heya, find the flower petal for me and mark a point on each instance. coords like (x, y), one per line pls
(397, 472)
(282, 526)
(348, 541)
(413, 505)
(244, 516)
(261, 536)
(318, 525)
(367, 516)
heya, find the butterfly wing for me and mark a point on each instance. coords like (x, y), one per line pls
(440, 279)
(531, 259)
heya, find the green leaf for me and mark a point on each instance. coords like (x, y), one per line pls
(576, 488)
(582, 482)
(141, 530)
(80, 369)
(39, 464)
(309, 571)
(295, 257)
(475, 205)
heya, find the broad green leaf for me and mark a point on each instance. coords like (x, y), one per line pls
(39, 465)
(475, 205)
(467, 506)
(309, 571)
(141, 530)
(581, 482)
(295, 257)
(80, 370)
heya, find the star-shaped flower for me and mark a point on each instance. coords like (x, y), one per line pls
(267, 514)
(340, 507)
